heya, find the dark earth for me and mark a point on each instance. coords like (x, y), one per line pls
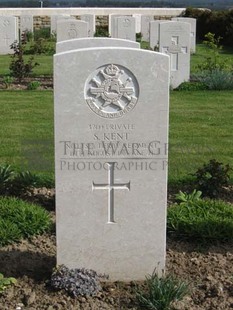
(207, 269)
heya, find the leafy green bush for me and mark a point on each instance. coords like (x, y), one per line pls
(211, 177)
(23, 182)
(43, 33)
(42, 46)
(33, 85)
(16, 183)
(20, 219)
(160, 292)
(139, 37)
(202, 220)
(8, 80)
(101, 31)
(5, 282)
(216, 79)
(189, 86)
(19, 68)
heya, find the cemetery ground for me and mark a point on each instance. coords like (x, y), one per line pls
(200, 130)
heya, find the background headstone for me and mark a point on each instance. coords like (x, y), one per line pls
(174, 40)
(93, 42)
(111, 131)
(55, 19)
(9, 32)
(71, 29)
(26, 23)
(145, 26)
(125, 28)
(112, 25)
(154, 34)
(137, 22)
(90, 19)
(193, 23)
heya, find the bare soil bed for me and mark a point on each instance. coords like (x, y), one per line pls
(208, 270)
(46, 83)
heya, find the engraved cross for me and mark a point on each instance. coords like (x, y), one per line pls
(111, 186)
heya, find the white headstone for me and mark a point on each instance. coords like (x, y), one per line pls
(145, 21)
(175, 42)
(71, 29)
(154, 34)
(111, 24)
(26, 23)
(90, 19)
(193, 23)
(8, 33)
(125, 28)
(93, 42)
(111, 131)
(55, 19)
(137, 22)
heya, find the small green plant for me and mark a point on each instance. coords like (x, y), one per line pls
(201, 220)
(212, 177)
(6, 175)
(184, 197)
(189, 86)
(23, 182)
(5, 282)
(33, 85)
(8, 80)
(19, 68)
(160, 292)
(20, 219)
(16, 183)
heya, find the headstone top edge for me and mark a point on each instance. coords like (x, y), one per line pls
(123, 48)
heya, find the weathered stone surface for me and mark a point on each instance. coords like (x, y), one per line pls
(93, 42)
(111, 131)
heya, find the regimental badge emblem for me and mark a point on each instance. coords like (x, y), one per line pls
(111, 91)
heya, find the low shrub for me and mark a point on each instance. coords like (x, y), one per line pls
(17, 183)
(160, 292)
(20, 219)
(6, 175)
(8, 80)
(201, 220)
(5, 282)
(33, 85)
(101, 31)
(43, 33)
(184, 197)
(76, 282)
(216, 79)
(192, 86)
(211, 178)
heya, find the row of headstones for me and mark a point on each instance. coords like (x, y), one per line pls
(172, 37)
(10, 30)
(111, 120)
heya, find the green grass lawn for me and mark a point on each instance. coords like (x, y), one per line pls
(26, 131)
(200, 129)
